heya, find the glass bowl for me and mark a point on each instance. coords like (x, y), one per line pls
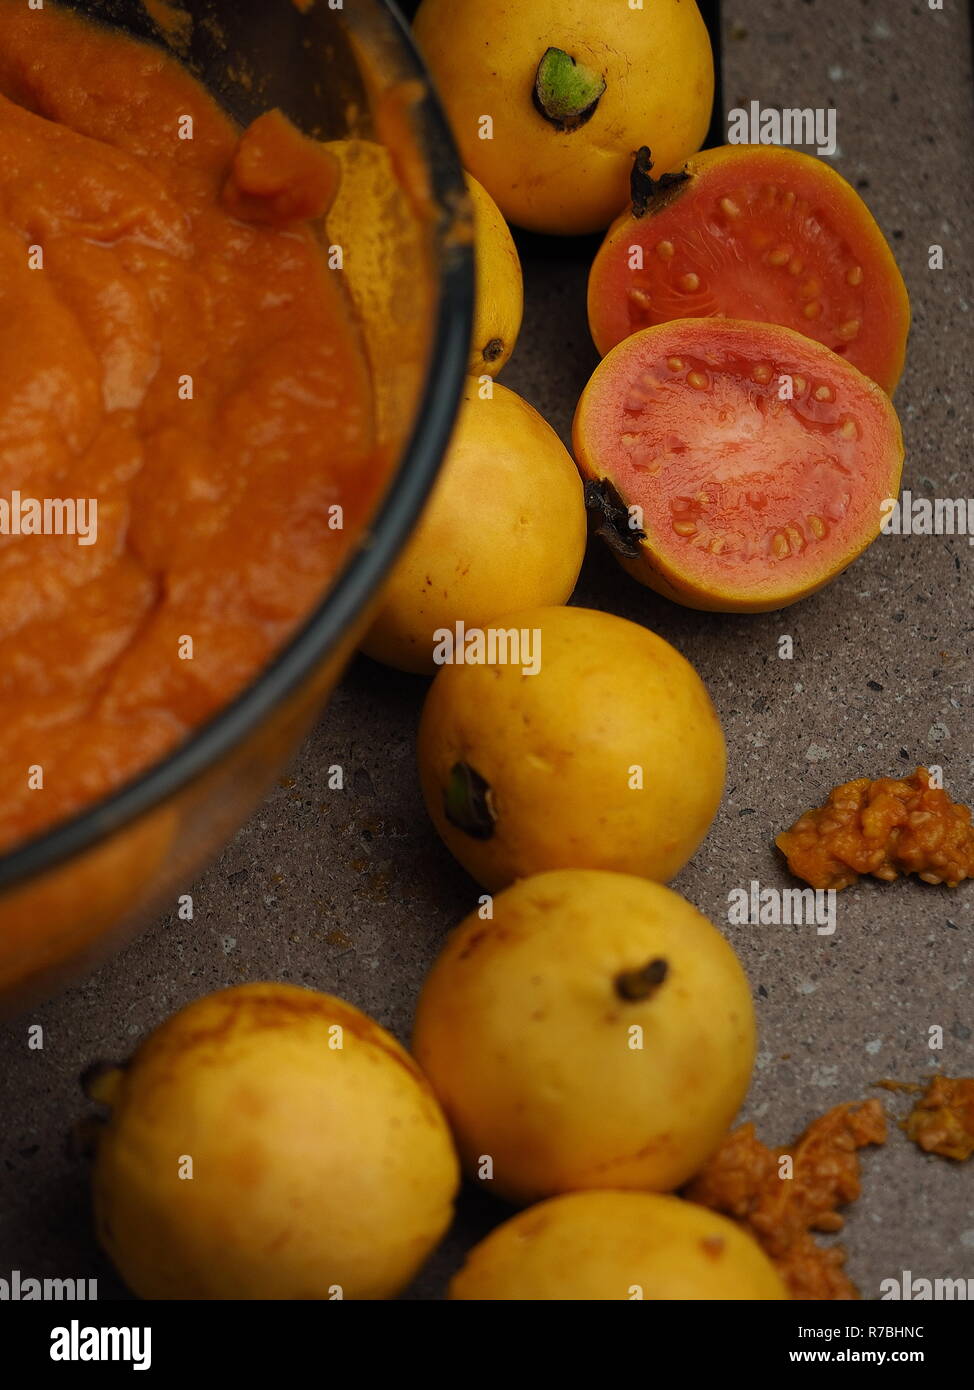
(79, 891)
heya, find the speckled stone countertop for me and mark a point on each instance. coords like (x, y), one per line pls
(353, 892)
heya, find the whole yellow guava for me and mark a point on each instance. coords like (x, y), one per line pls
(594, 1031)
(504, 528)
(548, 99)
(580, 741)
(499, 300)
(617, 1245)
(271, 1142)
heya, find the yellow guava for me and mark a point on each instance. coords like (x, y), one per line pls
(504, 528)
(271, 1142)
(499, 301)
(617, 1245)
(581, 741)
(595, 1031)
(548, 99)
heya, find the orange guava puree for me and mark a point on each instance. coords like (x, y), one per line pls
(174, 346)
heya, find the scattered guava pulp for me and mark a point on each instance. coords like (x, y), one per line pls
(547, 99)
(734, 466)
(753, 232)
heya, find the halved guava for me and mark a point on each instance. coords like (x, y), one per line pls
(753, 232)
(735, 466)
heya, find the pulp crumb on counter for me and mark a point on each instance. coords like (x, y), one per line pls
(884, 827)
(742, 1181)
(942, 1120)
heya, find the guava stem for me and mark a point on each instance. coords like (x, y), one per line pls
(100, 1081)
(644, 190)
(610, 518)
(467, 802)
(566, 92)
(633, 985)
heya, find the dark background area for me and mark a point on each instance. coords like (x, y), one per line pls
(352, 892)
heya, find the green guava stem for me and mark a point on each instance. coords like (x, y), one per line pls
(566, 92)
(467, 802)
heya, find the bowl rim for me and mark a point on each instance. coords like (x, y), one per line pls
(376, 547)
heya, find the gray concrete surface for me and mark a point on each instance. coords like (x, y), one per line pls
(352, 892)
